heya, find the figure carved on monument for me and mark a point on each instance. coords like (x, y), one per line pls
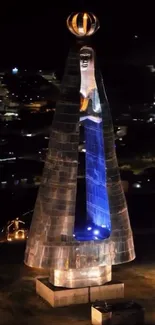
(90, 102)
(98, 224)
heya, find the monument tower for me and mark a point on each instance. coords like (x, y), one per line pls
(80, 254)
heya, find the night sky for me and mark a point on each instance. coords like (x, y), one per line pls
(36, 35)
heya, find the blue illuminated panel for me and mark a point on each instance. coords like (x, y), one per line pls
(98, 225)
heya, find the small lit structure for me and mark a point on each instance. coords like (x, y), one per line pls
(15, 232)
(20, 234)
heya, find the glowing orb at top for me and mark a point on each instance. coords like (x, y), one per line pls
(83, 24)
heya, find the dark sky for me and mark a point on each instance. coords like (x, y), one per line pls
(35, 35)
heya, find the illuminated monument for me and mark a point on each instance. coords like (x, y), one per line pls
(80, 254)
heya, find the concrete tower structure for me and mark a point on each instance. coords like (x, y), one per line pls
(79, 254)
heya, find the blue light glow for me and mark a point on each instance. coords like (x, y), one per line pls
(96, 188)
(98, 224)
(94, 232)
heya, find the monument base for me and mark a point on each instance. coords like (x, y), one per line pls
(81, 277)
(58, 297)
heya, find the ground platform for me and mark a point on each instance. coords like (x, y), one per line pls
(58, 297)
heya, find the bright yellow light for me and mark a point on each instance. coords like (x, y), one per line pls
(16, 235)
(82, 24)
(83, 104)
(20, 235)
(85, 16)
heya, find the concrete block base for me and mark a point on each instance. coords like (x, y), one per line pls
(58, 297)
(120, 312)
(110, 290)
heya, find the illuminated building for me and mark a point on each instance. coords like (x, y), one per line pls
(80, 251)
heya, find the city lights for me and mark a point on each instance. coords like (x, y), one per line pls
(137, 185)
(15, 70)
(29, 135)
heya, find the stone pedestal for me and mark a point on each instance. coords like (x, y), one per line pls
(58, 297)
(110, 290)
(81, 277)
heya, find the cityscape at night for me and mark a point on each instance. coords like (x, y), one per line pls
(77, 161)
